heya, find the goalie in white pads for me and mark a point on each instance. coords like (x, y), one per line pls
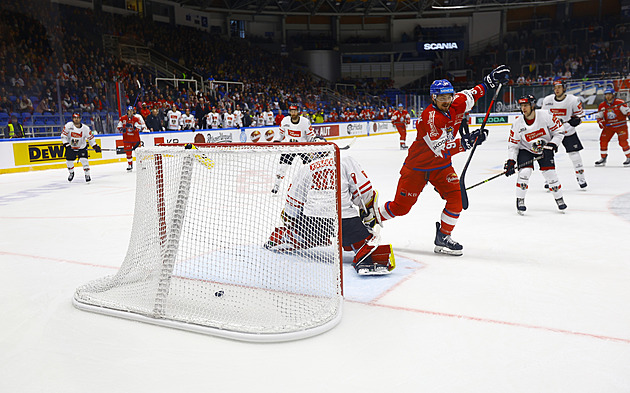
(532, 134)
(302, 213)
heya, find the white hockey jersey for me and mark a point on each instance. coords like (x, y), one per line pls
(229, 120)
(569, 107)
(268, 118)
(546, 127)
(313, 188)
(173, 118)
(300, 132)
(187, 122)
(213, 120)
(77, 137)
(238, 118)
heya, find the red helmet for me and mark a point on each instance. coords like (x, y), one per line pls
(293, 107)
(76, 114)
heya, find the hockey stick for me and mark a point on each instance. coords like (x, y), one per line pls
(349, 144)
(462, 186)
(526, 163)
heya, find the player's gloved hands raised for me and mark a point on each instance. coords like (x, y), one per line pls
(468, 141)
(551, 146)
(501, 75)
(97, 148)
(574, 121)
(509, 167)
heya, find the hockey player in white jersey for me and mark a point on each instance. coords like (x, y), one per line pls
(173, 119)
(238, 117)
(268, 117)
(75, 137)
(304, 211)
(213, 119)
(293, 128)
(533, 134)
(568, 109)
(229, 120)
(187, 121)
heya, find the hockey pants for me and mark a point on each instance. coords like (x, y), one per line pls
(411, 184)
(607, 134)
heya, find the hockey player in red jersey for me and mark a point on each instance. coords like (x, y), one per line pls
(400, 119)
(611, 117)
(130, 126)
(429, 157)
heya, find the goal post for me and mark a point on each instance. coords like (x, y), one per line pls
(198, 256)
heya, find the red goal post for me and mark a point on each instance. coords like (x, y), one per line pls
(197, 259)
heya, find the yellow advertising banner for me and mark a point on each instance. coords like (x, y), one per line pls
(44, 153)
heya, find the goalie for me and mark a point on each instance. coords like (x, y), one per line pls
(308, 222)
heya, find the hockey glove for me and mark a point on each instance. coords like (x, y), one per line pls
(574, 121)
(551, 146)
(509, 167)
(468, 141)
(97, 148)
(501, 75)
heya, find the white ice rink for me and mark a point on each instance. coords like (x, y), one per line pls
(538, 303)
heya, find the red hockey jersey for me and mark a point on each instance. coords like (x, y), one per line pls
(435, 142)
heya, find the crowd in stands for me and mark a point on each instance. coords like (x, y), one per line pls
(543, 50)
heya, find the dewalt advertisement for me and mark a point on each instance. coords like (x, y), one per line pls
(48, 152)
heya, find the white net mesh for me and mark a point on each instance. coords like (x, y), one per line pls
(197, 255)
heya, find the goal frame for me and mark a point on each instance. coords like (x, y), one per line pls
(169, 241)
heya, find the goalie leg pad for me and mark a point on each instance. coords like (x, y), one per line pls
(374, 260)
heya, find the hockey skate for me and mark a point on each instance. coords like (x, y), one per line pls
(275, 188)
(129, 167)
(520, 206)
(87, 178)
(627, 162)
(403, 146)
(601, 162)
(70, 176)
(445, 245)
(561, 204)
(280, 240)
(579, 175)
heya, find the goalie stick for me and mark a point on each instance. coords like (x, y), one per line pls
(346, 147)
(462, 186)
(526, 163)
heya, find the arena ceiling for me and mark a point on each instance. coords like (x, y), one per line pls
(364, 7)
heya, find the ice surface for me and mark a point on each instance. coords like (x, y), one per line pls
(538, 303)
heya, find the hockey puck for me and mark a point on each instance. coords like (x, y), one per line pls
(218, 293)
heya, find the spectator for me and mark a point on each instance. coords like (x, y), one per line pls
(144, 111)
(201, 110)
(26, 105)
(43, 107)
(14, 129)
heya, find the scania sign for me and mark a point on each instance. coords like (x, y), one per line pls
(441, 46)
(492, 119)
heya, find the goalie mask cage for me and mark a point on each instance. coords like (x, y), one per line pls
(196, 258)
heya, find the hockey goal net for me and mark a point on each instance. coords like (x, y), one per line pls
(197, 258)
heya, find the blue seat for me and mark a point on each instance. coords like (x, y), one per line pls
(12, 98)
(4, 115)
(38, 121)
(86, 115)
(16, 114)
(28, 122)
(3, 123)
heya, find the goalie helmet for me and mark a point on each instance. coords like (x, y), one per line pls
(528, 99)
